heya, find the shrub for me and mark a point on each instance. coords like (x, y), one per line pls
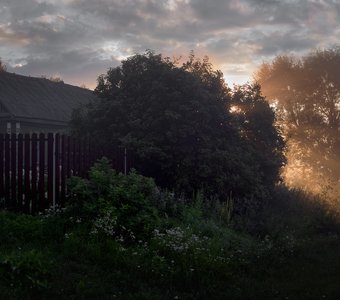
(114, 204)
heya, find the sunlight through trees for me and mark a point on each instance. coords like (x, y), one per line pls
(307, 95)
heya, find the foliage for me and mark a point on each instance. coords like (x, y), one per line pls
(306, 93)
(186, 251)
(176, 119)
(117, 205)
(255, 120)
(26, 272)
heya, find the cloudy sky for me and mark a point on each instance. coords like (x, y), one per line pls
(78, 40)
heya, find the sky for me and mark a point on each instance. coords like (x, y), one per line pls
(78, 40)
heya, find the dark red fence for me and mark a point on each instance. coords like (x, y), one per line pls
(34, 168)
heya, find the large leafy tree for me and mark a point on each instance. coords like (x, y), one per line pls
(177, 120)
(306, 93)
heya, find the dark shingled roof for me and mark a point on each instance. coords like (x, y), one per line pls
(40, 98)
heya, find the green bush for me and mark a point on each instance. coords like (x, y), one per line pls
(114, 204)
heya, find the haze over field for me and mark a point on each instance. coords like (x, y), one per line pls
(79, 39)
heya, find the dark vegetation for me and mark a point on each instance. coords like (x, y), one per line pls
(214, 221)
(177, 121)
(121, 237)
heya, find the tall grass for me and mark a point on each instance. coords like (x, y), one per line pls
(120, 237)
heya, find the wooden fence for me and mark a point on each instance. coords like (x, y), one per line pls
(34, 168)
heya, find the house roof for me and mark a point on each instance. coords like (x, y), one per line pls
(40, 98)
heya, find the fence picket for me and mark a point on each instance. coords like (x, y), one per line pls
(57, 169)
(34, 173)
(50, 169)
(27, 162)
(13, 167)
(64, 165)
(41, 183)
(20, 172)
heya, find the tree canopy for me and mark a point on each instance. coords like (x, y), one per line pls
(306, 93)
(179, 123)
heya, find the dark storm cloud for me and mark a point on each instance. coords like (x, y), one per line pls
(82, 38)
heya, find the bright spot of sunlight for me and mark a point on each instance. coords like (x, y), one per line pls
(235, 109)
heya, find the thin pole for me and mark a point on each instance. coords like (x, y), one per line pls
(125, 162)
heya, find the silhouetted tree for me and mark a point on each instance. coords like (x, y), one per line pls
(177, 121)
(255, 120)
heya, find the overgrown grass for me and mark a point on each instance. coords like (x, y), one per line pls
(122, 238)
